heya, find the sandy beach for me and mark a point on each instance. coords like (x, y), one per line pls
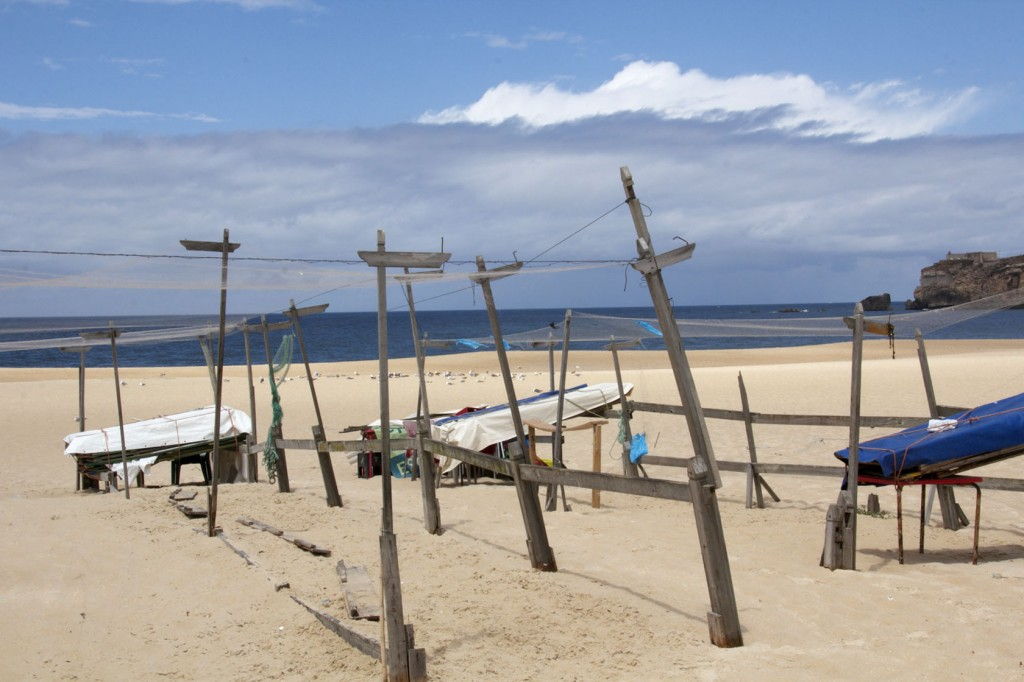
(97, 587)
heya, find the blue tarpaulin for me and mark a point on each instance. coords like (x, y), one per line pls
(985, 429)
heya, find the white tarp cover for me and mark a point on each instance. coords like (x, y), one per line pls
(477, 430)
(176, 429)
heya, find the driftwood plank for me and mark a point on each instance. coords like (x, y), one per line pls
(361, 599)
(191, 512)
(179, 496)
(278, 583)
(295, 540)
(648, 487)
(358, 641)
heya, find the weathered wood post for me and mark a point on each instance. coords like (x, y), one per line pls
(224, 247)
(428, 473)
(400, 655)
(276, 432)
(112, 333)
(651, 265)
(81, 350)
(324, 457)
(853, 461)
(629, 467)
(556, 454)
(723, 620)
(252, 470)
(541, 555)
(947, 499)
(753, 476)
(551, 362)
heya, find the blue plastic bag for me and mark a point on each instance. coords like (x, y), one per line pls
(637, 447)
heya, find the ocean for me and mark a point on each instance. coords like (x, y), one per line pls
(333, 336)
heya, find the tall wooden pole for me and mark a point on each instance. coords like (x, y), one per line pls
(81, 350)
(853, 462)
(225, 247)
(650, 265)
(397, 650)
(723, 619)
(926, 375)
(324, 457)
(251, 474)
(753, 475)
(120, 412)
(431, 509)
(541, 555)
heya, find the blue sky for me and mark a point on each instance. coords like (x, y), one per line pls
(814, 151)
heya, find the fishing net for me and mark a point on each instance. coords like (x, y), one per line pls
(278, 369)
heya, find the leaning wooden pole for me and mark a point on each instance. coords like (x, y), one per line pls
(81, 350)
(650, 265)
(541, 555)
(283, 485)
(556, 454)
(112, 333)
(324, 457)
(431, 509)
(753, 476)
(723, 619)
(251, 474)
(225, 247)
(629, 467)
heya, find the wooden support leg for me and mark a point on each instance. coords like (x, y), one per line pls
(327, 469)
(282, 465)
(920, 542)
(899, 521)
(977, 520)
(595, 494)
(397, 652)
(723, 618)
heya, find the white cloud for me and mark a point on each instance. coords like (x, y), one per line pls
(791, 102)
(250, 5)
(776, 216)
(52, 64)
(81, 23)
(499, 41)
(134, 66)
(21, 112)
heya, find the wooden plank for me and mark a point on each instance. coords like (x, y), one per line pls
(357, 640)
(278, 583)
(397, 652)
(361, 599)
(479, 459)
(288, 537)
(217, 247)
(762, 467)
(663, 260)
(178, 495)
(191, 512)
(542, 426)
(495, 273)
(404, 259)
(645, 487)
(308, 310)
(780, 419)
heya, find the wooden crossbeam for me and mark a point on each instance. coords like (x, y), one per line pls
(663, 260)
(646, 487)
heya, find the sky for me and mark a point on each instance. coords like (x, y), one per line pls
(814, 151)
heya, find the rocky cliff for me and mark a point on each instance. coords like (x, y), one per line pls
(963, 277)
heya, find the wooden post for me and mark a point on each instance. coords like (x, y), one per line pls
(81, 350)
(753, 476)
(428, 487)
(595, 494)
(551, 362)
(629, 467)
(541, 555)
(398, 647)
(251, 474)
(112, 333)
(853, 461)
(723, 618)
(947, 499)
(651, 264)
(211, 364)
(326, 468)
(556, 449)
(225, 247)
(283, 485)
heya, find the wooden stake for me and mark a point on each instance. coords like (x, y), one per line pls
(753, 475)
(326, 467)
(81, 350)
(595, 494)
(947, 499)
(428, 487)
(275, 432)
(649, 266)
(629, 467)
(556, 454)
(541, 555)
(251, 473)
